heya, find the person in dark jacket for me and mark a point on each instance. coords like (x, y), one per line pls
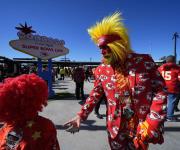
(79, 77)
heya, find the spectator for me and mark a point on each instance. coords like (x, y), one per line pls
(79, 77)
(87, 75)
(62, 73)
(21, 99)
(96, 109)
(171, 74)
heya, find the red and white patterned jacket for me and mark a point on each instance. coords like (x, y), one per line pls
(146, 88)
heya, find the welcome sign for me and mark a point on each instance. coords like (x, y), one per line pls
(39, 46)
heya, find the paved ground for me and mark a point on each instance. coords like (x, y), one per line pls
(92, 135)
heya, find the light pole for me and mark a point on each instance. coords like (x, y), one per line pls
(175, 36)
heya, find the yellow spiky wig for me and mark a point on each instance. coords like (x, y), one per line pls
(112, 31)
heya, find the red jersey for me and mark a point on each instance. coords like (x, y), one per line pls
(35, 134)
(171, 75)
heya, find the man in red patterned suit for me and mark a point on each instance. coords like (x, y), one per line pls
(171, 74)
(136, 101)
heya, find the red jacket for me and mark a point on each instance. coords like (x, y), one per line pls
(36, 134)
(146, 88)
(171, 75)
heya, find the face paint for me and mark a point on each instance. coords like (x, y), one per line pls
(106, 52)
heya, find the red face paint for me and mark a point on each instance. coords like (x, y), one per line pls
(105, 50)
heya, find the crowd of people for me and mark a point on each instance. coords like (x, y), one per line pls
(139, 96)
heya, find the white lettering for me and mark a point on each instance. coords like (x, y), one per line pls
(166, 75)
(40, 38)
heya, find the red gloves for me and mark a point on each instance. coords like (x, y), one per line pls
(146, 134)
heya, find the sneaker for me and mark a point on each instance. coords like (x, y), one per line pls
(83, 98)
(78, 98)
(99, 116)
(173, 119)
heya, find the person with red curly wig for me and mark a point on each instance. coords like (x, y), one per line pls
(21, 98)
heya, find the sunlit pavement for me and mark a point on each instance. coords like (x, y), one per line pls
(92, 135)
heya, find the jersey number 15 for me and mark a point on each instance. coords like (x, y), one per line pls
(166, 75)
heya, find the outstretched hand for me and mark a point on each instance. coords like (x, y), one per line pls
(73, 125)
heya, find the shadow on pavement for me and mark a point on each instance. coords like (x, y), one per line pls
(177, 115)
(67, 96)
(93, 128)
(59, 88)
(171, 129)
(56, 84)
(86, 125)
(63, 96)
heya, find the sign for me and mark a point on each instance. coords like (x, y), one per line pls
(39, 46)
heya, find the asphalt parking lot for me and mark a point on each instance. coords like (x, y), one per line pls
(92, 135)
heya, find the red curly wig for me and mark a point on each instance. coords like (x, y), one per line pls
(22, 97)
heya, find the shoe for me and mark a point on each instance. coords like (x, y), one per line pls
(176, 109)
(173, 119)
(83, 98)
(99, 116)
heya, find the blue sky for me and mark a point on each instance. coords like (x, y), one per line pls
(150, 23)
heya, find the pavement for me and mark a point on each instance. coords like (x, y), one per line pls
(92, 134)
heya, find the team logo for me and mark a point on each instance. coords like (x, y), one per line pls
(13, 139)
(154, 115)
(111, 102)
(103, 78)
(115, 129)
(113, 79)
(109, 86)
(149, 96)
(149, 65)
(143, 109)
(138, 59)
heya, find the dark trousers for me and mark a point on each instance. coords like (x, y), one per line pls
(62, 76)
(79, 90)
(177, 101)
(96, 109)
